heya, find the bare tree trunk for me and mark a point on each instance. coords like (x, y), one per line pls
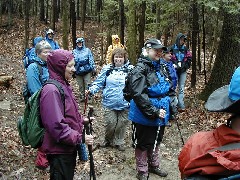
(35, 9)
(65, 27)
(99, 9)
(141, 26)
(0, 13)
(42, 10)
(158, 14)
(214, 44)
(83, 14)
(227, 58)
(54, 14)
(204, 45)
(199, 63)
(194, 42)
(78, 9)
(74, 25)
(10, 9)
(132, 32)
(46, 19)
(121, 20)
(26, 22)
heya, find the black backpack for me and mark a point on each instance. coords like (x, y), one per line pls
(128, 87)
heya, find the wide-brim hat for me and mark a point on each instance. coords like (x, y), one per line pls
(219, 101)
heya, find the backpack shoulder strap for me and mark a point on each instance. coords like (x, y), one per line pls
(144, 66)
(59, 86)
(40, 70)
(227, 147)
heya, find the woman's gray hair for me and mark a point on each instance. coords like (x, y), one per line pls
(42, 45)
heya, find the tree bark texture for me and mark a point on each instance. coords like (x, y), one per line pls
(227, 58)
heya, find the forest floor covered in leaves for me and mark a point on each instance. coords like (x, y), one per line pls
(17, 161)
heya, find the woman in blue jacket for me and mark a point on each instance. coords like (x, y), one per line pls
(84, 65)
(149, 108)
(35, 81)
(111, 80)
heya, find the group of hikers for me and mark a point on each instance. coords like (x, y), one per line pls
(156, 87)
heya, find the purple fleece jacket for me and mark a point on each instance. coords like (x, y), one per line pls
(62, 133)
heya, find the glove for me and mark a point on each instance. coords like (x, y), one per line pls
(94, 73)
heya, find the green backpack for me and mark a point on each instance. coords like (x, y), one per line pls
(30, 128)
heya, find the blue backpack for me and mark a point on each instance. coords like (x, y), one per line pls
(27, 60)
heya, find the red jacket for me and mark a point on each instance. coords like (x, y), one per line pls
(195, 158)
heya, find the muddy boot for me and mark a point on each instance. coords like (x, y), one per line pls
(141, 176)
(158, 171)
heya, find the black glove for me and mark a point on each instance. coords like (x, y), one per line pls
(94, 73)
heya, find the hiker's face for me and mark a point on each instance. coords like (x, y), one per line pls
(118, 60)
(155, 54)
(182, 41)
(70, 70)
(79, 44)
(236, 125)
(50, 36)
(167, 56)
(43, 55)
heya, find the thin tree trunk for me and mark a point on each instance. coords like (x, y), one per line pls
(42, 10)
(10, 9)
(158, 15)
(78, 9)
(121, 21)
(26, 22)
(199, 63)
(194, 42)
(99, 9)
(35, 9)
(65, 27)
(132, 32)
(141, 26)
(83, 14)
(204, 45)
(54, 14)
(46, 19)
(74, 25)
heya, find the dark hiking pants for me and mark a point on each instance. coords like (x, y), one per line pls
(62, 166)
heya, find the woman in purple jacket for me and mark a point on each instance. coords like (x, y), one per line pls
(63, 126)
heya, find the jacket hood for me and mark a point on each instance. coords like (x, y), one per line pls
(37, 40)
(178, 39)
(114, 40)
(57, 61)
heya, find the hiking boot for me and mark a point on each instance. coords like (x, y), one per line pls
(158, 171)
(141, 176)
(172, 117)
(105, 144)
(181, 110)
(120, 147)
(43, 168)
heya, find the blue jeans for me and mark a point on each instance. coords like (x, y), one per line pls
(181, 85)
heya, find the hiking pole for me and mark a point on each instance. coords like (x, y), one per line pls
(179, 131)
(89, 130)
(155, 143)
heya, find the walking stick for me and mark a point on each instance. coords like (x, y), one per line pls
(179, 130)
(155, 143)
(89, 130)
